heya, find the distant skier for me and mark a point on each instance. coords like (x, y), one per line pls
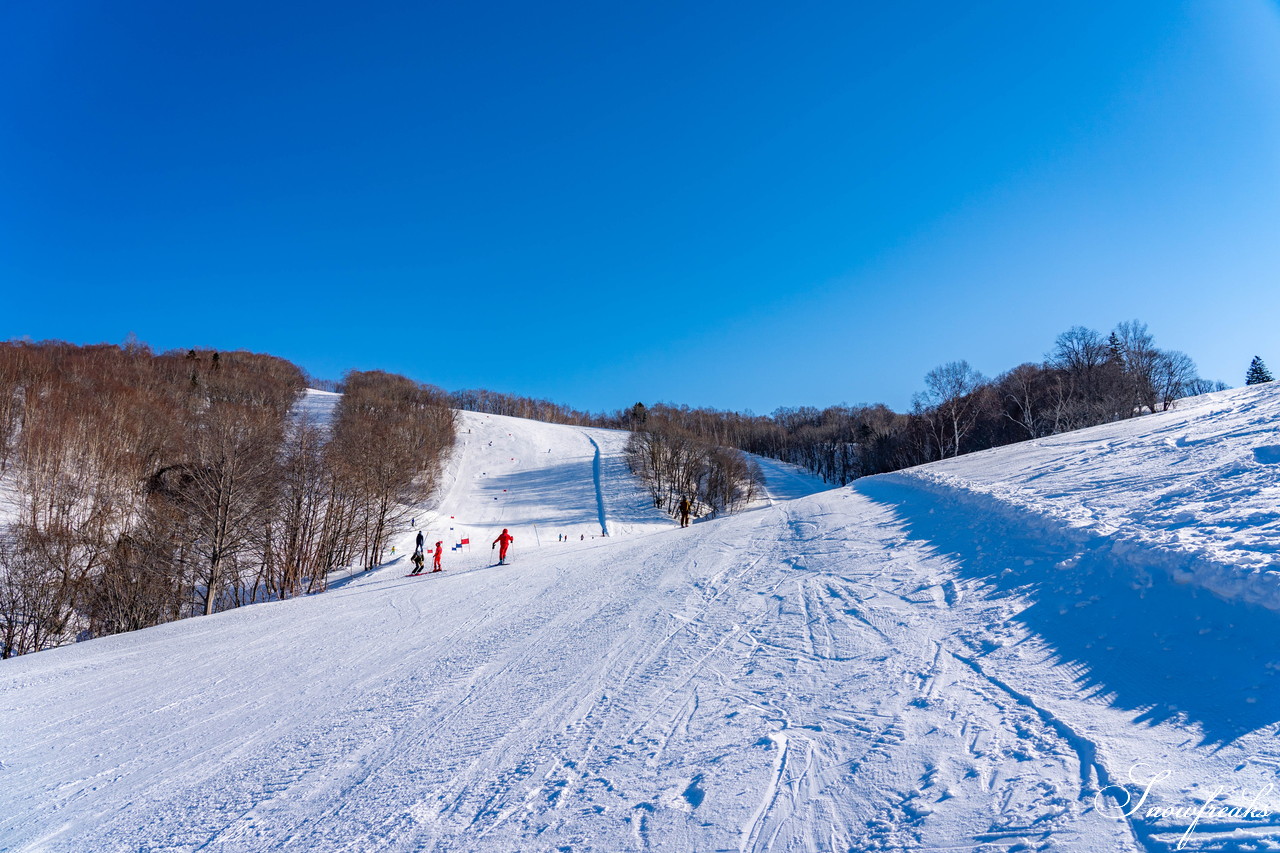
(435, 564)
(684, 511)
(504, 540)
(420, 541)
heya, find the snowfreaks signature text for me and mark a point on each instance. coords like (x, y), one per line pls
(1119, 799)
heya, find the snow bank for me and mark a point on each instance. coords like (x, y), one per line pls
(1194, 492)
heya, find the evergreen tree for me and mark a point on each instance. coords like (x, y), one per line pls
(1115, 353)
(1258, 373)
(637, 415)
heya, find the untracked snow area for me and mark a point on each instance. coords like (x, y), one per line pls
(940, 659)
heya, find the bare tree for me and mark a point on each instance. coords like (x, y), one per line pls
(952, 401)
(14, 365)
(313, 529)
(141, 584)
(1140, 357)
(1173, 376)
(1025, 394)
(223, 493)
(1079, 350)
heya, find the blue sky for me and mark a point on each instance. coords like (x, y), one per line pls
(741, 205)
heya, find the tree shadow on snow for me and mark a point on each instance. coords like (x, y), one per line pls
(1140, 640)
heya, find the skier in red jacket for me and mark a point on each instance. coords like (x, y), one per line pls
(435, 565)
(504, 540)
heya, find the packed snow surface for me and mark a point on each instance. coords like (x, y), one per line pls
(1042, 647)
(316, 407)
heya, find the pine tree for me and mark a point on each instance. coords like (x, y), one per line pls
(1114, 350)
(1258, 373)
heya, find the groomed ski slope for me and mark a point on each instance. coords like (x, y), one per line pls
(956, 657)
(549, 485)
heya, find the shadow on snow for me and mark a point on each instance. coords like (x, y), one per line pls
(1140, 640)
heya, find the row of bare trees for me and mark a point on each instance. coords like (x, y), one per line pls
(391, 435)
(1086, 379)
(677, 463)
(140, 488)
(513, 405)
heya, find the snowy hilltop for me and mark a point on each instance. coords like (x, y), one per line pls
(1066, 644)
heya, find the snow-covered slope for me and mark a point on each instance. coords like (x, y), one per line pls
(317, 406)
(540, 480)
(1194, 491)
(908, 664)
(551, 486)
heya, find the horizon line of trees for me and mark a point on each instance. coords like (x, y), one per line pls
(515, 406)
(1086, 379)
(149, 488)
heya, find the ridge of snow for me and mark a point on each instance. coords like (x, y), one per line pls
(1193, 491)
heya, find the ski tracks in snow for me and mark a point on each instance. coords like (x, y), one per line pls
(786, 679)
(817, 674)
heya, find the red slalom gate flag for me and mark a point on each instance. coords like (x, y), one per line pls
(465, 542)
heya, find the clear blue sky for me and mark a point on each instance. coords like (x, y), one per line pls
(736, 204)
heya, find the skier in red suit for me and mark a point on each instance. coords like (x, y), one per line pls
(504, 540)
(435, 565)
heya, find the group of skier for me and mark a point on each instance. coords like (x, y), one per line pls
(503, 543)
(420, 558)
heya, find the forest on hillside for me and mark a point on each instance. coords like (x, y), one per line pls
(143, 488)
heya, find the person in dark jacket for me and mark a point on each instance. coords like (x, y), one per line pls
(684, 511)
